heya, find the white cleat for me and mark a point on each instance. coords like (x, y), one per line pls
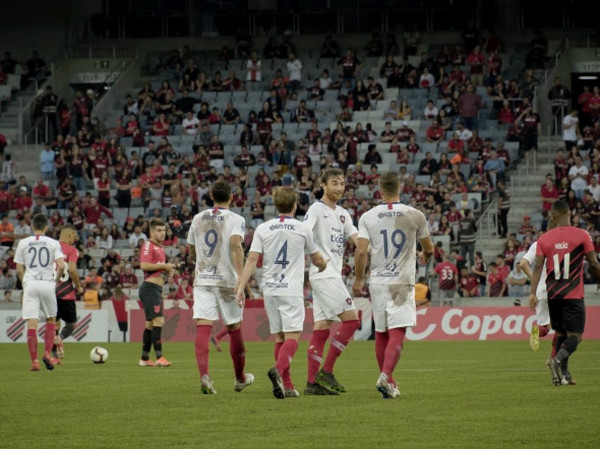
(207, 385)
(387, 390)
(239, 386)
(291, 393)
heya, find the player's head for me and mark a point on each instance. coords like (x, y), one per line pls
(333, 183)
(40, 223)
(158, 230)
(220, 192)
(68, 234)
(285, 199)
(560, 212)
(389, 185)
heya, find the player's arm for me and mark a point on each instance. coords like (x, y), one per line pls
(354, 239)
(20, 271)
(535, 280)
(192, 252)
(75, 276)
(147, 266)
(592, 259)
(361, 257)
(426, 250)
(240, 286)
(237, 254)
(526, 267)
(60, 268)
(319, 261)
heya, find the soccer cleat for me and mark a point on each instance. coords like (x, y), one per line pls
(291, 393)
(275, 378)
(60, 350)
(55, 360)
(143, 362)
(47, 359)
(329, 381)
(215, 342)
(206, 385)
(386, 389)
(566, 378)
(318, 390)
(534, 338)
(162, 362)
(555, 372)
(35, 365)
(239, 386)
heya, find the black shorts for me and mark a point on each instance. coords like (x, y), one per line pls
(529, 141)
(567, 315)
(66, 311)
(151, 297)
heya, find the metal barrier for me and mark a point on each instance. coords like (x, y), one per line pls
(487, 222)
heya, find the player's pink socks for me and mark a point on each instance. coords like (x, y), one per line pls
(315, 352)
(381, 342)
(393, 350)
(543, 330)
(339, 342)
(49, 334)
(32, 343)
(201, 347)
(284, 359)
(237, 350)
(285, 375)
(221, 333)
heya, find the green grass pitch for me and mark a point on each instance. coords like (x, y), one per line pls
(454, 395)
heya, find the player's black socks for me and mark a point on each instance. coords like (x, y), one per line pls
(157, 341)
(560, 339)
(568, 347)
(146, 344)
(67, 330)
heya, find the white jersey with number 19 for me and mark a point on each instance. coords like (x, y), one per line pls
(210, 233)
(283, 241)
(393, 230)
(38, 253)
(331, 229)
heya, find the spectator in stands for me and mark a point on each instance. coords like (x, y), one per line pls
(47, 162)
(429, 165)
(372, 156)
(538, 49)
(467, 236)
(506, 116)
(431, 111)
(560, 98)
(578, 175)
(570, 127)
(526, 226)
(136, 237)
(349, 66)
(190, 124)
(405, 112)
(104, 240)
(531, 127)
(374, 47)
(447, 274)
(495, 282)
(426, 80)
(594, 188)
(476, 62)
(495, 166)
(375, 90)
(517, 280)
(434, 133)
(329, 48)
(294, 67)
(549, 193)
(469, 104)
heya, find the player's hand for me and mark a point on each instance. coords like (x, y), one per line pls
(80, 290)
(240, 298)
(357, 287)
(323, 265)
(533, 301)
(422, 258)
(169, 268)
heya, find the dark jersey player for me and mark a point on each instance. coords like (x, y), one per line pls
(153, 263)
(564, 249)
(65, 290)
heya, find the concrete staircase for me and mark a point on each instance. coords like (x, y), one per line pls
(27, 160)
(9, 117)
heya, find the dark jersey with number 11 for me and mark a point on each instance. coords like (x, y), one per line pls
(564, 248)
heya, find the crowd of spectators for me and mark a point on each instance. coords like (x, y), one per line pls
(162, 154)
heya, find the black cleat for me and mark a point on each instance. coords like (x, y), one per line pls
(48, 362)
(275, 378)
(329, 381)
(555, 371)
(318, 390)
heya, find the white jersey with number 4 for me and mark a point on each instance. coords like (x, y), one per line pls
(38, 254)
(210, 232)
(283, 241)
(530, 257)
(331, 229)
(393, 230)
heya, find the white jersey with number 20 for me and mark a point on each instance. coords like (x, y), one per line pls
(38, 253)
(393, 230)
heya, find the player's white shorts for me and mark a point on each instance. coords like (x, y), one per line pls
(39, 298)
(393, 306)
(285, 313)
(209, 301)
(541, 312)
(330, 298)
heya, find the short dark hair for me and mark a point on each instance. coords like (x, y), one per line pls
(560, 207)
(331, 173)
(389, 183)
(220, 191)
(155, 222)
(40, 222)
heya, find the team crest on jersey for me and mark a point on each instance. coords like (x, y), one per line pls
(342, 219)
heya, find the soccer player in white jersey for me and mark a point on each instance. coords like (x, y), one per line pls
(282, 241)
(332, 227)
(215, 242)
(36, 257)
(392, 230)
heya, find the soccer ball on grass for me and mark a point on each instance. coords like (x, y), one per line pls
(99, 355)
